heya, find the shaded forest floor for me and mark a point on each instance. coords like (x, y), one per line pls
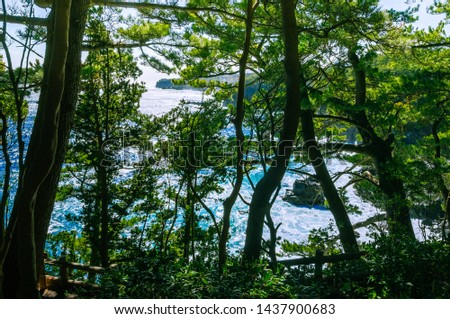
(390, 269)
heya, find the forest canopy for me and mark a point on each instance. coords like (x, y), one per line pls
(308, 158)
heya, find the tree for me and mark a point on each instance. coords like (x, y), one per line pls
(425, 122)
(5, 115)
(39, 161)
(196, 154)
(358, 102)
(336, 75)
(45, 199)
(397, 209)
(47, 191)
(208, 36)
(267, 185)
(109, 101)
(240, 137)
(17, 83)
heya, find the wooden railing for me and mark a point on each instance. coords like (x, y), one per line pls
(319, 260)
(63, 282)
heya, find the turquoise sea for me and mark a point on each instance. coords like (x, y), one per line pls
(296, 221)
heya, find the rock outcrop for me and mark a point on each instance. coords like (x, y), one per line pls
(305, 192)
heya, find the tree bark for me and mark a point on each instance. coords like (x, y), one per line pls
(446, 224)
(337, 207)
(104, 216)
(47, 193)
(7, 175)
(19, 100)
(41, 161)
(189, 220)
(260, 203)
(94, 232)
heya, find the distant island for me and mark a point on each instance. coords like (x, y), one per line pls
(169, 84)
(250, 89)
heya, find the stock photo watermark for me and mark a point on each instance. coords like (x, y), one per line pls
(131, 152)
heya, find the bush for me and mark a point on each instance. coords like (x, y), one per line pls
(410, 269)
(170, 277)
(391, 268)
(394, 268)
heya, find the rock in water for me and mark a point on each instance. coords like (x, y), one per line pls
(305, 192)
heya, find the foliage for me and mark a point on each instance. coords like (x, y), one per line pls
(390, 268)
(168, 232)
(195, 156)
(108, 111)
(143, 184)
(169, 277)
(323, 239)
(405, 269)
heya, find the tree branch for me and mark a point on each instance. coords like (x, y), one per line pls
(370, 221)
(173, 7)
(43, 22)
(337, 118)
(431, 45)
(205, 207)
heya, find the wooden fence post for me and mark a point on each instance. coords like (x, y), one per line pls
(42, 281)
(318, 266)
(63, 272)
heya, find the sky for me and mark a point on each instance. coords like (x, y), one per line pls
(150, 76)
(425, 19)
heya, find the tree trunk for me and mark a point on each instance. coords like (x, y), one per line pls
(445, 193)
(104, 215)
(260, 203)
(272, 249)
(337, 208)
(94, 232)
(188, 219)
(7, 176)
(4, 200)
(7, 234)
(397, 210)
(446, 224)
(47, 193)
(41, 161)
(9, 255)
(101, 129)
(240, 138)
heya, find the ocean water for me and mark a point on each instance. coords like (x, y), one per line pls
(159, 101)
(296, 221)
